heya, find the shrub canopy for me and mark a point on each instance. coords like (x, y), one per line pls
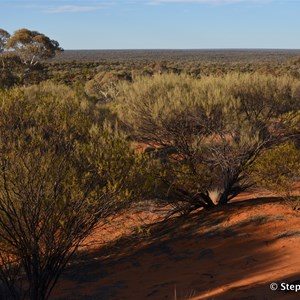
(209, 130)
(62, 172)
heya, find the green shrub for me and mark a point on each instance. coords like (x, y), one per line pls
(209, 131)
(62, 172)
(278, 169)
(104, 86)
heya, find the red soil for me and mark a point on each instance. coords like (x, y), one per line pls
(233, 252)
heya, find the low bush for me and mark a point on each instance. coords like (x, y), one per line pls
(207, 132)
(62, 172)
(278, 169)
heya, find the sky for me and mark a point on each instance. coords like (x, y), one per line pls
(158, 24)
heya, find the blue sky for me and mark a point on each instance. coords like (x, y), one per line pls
(158, 24)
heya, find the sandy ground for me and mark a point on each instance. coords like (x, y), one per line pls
(234, 252)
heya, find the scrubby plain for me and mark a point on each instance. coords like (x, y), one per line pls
(148, 174)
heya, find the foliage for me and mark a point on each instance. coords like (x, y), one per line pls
(62, 173)
(7, 79)
(32, 46)
(208, 131)
(21, 55)
(278, 169)
(103, 86)
(4, 36)
(78, 67)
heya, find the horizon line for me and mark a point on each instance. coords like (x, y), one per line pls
(183, 49)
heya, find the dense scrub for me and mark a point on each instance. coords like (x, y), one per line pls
(76, 68)
(63, 170)
(209, 131)
(79, 72)
(68, 162)
(278, 169)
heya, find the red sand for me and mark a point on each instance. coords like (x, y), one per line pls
(229, 253)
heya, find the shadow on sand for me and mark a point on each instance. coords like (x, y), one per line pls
(233, 252)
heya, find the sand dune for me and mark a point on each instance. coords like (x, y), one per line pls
(233, 252)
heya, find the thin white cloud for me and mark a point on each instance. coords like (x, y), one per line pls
(61, 6)
(71, 9)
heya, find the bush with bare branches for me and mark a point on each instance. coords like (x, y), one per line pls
(208, 132)
(61, 174)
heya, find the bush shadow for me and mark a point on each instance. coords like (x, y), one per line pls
(230, 252)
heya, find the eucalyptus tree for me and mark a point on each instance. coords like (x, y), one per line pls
(32, 46)
(4, 36)
(25, 50)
